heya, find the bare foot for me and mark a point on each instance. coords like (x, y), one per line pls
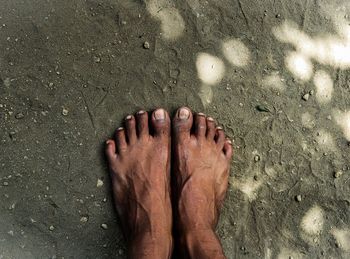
(139, 163)
(201, 162)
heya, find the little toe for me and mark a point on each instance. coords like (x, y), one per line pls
(182, 123)
(200, 125)
(220, 137)
(160, 123)
(120, 140)
(130, 125)
(228, 149)
(110, 150)
(142, 124)
(211, 127)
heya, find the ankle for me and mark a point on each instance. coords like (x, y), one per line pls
(201, 243)
(151, 245)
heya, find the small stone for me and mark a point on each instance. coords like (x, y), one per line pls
(311, 92)
(256, 178)
(19, 116)
(104, 226)
(306, 96)
(240, 104)
(84, 219)
(5, 183)
(64, 112)
(337, 174)
(256, 158)
(99, 183)
(97, 59)
(278, 15)
(51, 84)
(262, 108)
(146, 45)
(51, 228)
(120, 251)
(298, 198)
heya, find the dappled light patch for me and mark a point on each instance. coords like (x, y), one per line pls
(307, 120)
(248, 186)
(210, 69)
(325, 140)
(299, 65)
(343, 121)
(172, 23)
(342, 236)
(274, 81)
(206, 94)
(312, 222)
(324, 87)
(331, 50)
(236, 52)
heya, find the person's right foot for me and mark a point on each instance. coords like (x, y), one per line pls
(201, 162)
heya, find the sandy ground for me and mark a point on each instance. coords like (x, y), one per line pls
(275, 74)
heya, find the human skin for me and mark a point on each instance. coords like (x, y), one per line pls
(139, 158)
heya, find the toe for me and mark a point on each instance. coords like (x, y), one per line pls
(200, 125)
(182, 123)
(130, 125)
(160, 123)
(228, 149)
(120, 140)
(220, 137)
(210, 128)
(142, 124)
(110, 150)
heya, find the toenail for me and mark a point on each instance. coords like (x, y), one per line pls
(219, 128)
(159, 114)
(120, 128)
(128, 117)
(210, 119)
(201, 114)
(184, 114)
(108, 142)
(229, 141)
(140, 112)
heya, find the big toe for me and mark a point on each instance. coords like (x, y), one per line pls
(161, 123)
(182, 123)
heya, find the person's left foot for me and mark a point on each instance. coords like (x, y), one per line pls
(139, 163)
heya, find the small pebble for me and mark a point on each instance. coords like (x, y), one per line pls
(84, 219)
(262, 108)
(19, 116)
(146, 45)
(51, 228)
(5, 183)
(99, 183)
(306, 96)
(338, 174)
(256, 158)
(104, 226)
(278, 15)
(311, 92)
(97, 59)
(298, 198)
(64, 112)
